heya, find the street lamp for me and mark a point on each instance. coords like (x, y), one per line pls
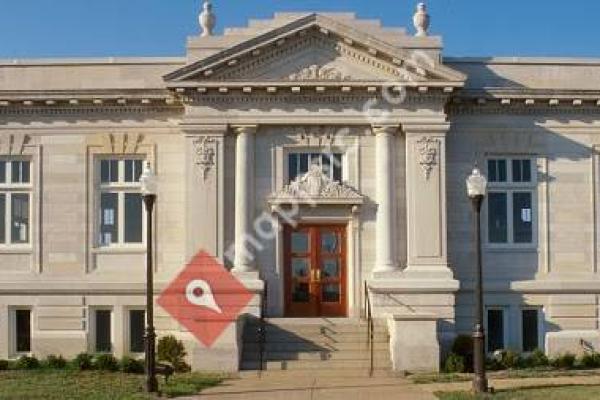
(476, 189)
(148, 182)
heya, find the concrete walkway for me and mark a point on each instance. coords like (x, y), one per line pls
(299, 388)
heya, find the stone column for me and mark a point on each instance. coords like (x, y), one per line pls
(426, 200)
(244, 198)
(385, 257)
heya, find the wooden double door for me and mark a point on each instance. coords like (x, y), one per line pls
(315, 271)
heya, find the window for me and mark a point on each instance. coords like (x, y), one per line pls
(530, 329)
(121, 208)
(21, 322)
(15, 202)
(103, 331)
(496, 329)
(330, 163)
(137, 324)
(510, 202)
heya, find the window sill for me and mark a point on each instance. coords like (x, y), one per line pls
(119, 250)
(25, 250)
(510, 249)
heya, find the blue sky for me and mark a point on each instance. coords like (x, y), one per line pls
(82, 28)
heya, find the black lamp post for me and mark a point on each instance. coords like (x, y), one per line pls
(148, 181)
(476, 188)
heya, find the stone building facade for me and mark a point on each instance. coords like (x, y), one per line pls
(373, 123)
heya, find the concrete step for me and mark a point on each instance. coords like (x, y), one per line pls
(252, 337)
(319, 373)
(380, 355)
(304, 346)
(310, 365)
(315, 327)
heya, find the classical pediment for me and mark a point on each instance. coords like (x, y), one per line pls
(316, 48)
(315, 187)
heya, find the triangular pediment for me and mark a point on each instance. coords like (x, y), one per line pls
(316, 48)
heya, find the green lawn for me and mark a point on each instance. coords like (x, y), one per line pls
(547, 393)
(94, 385)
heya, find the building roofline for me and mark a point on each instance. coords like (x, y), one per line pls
(524, 60)
(93, 61)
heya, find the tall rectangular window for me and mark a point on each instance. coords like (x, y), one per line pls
(510, 202)
(495, 329)
(121, 211)
(330, 164)
(15, 202)
(530, 330)
(22, 330)
(103, 331)
(137, 322)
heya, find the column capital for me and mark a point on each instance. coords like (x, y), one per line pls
(391, 129)
(248, 129)
(428, 129)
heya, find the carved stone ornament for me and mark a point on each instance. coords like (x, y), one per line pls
(317, 135)
(317, 73)
(315, 186)
(13, 144)
(207, 19)
(421, 20)
(428, 154)
(206, 153)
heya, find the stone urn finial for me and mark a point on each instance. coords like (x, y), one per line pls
(421, 20)
(207, 19)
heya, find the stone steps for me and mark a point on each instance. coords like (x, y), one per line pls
(316, 347)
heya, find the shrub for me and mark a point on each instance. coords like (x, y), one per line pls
(493, 364)
(565, 361)
(511, 360)
(55, 362)
(172, 351)
(4, 365)
(106, 362)
(27, 362)
(536, 359)
(463, 346)
(132, 366)
(590, 360)
(83, 362)
(454, 364)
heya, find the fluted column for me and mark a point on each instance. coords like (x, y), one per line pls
(385, 257)
(244, 198)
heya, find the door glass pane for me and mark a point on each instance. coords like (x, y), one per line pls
(530, 330)
(497, 218)
(300, 292)
(300, 242)
(329, 268)
(522, 218)
(300, 268)
(329, 242)
(136, 330)
(2, 171)
(109, 218)
(495, 333)
(521, 170)
(23, 327)
(2, 218)
(497, 170)
(20, 218)
(133, 218)
(331, 293)
(337, 167)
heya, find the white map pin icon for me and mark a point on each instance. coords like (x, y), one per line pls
(205, 296)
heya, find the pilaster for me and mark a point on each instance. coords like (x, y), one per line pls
(426, 201)
(205, 181)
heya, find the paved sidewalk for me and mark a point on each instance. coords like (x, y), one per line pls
(515, 383)
(297, 388)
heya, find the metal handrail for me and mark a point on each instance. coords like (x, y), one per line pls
(370, 327)
(261, 330)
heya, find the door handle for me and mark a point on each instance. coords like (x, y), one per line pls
(318, 273)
